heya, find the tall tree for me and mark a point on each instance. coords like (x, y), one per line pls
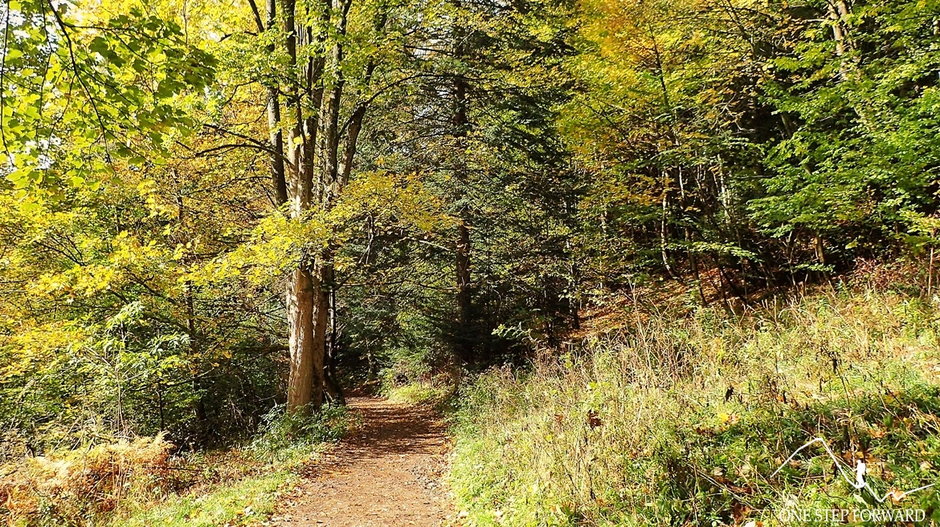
(321, 44)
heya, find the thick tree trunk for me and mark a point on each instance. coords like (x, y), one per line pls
(306, 340)
(307, 316)
(314, 179)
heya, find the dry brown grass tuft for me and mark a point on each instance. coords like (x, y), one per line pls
(76, 486)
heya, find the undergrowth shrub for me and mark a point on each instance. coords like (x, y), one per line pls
(75, 486)
(132, 482)
(283, 435)
(684, 422)
(414, 378)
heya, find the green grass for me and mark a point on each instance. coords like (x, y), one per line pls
(682, 422)
(138, 483)
(417, 393)
(241, 503)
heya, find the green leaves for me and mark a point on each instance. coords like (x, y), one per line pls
(79, 97)
(863, 143)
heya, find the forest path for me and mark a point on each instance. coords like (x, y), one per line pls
(386, 473)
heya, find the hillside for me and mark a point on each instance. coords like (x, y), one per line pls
(686, 421)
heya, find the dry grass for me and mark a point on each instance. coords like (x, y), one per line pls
(681, 421)
(74, 486)
(138, 482)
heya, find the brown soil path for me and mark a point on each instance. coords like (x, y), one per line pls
(386, 473)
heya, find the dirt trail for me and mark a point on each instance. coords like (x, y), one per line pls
(386, 473)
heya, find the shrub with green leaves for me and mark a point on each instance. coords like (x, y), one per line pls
(282, 434)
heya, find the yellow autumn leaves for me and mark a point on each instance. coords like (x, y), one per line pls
(278, 242)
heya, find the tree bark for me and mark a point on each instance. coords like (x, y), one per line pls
(306, 338)
(331, 379)
(276, 136)
(307, 316)
(464, 295)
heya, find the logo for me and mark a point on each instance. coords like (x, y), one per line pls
(856, 477)
(861, 469)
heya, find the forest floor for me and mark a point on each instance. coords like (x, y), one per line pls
(386, 472)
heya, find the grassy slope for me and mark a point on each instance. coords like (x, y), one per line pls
(683, 422)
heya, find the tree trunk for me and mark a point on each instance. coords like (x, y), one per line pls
(307, 316)
(464, 295)
(333, 389)
(464, 335)
(930, 276)
(276, 137)
(314, 178)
